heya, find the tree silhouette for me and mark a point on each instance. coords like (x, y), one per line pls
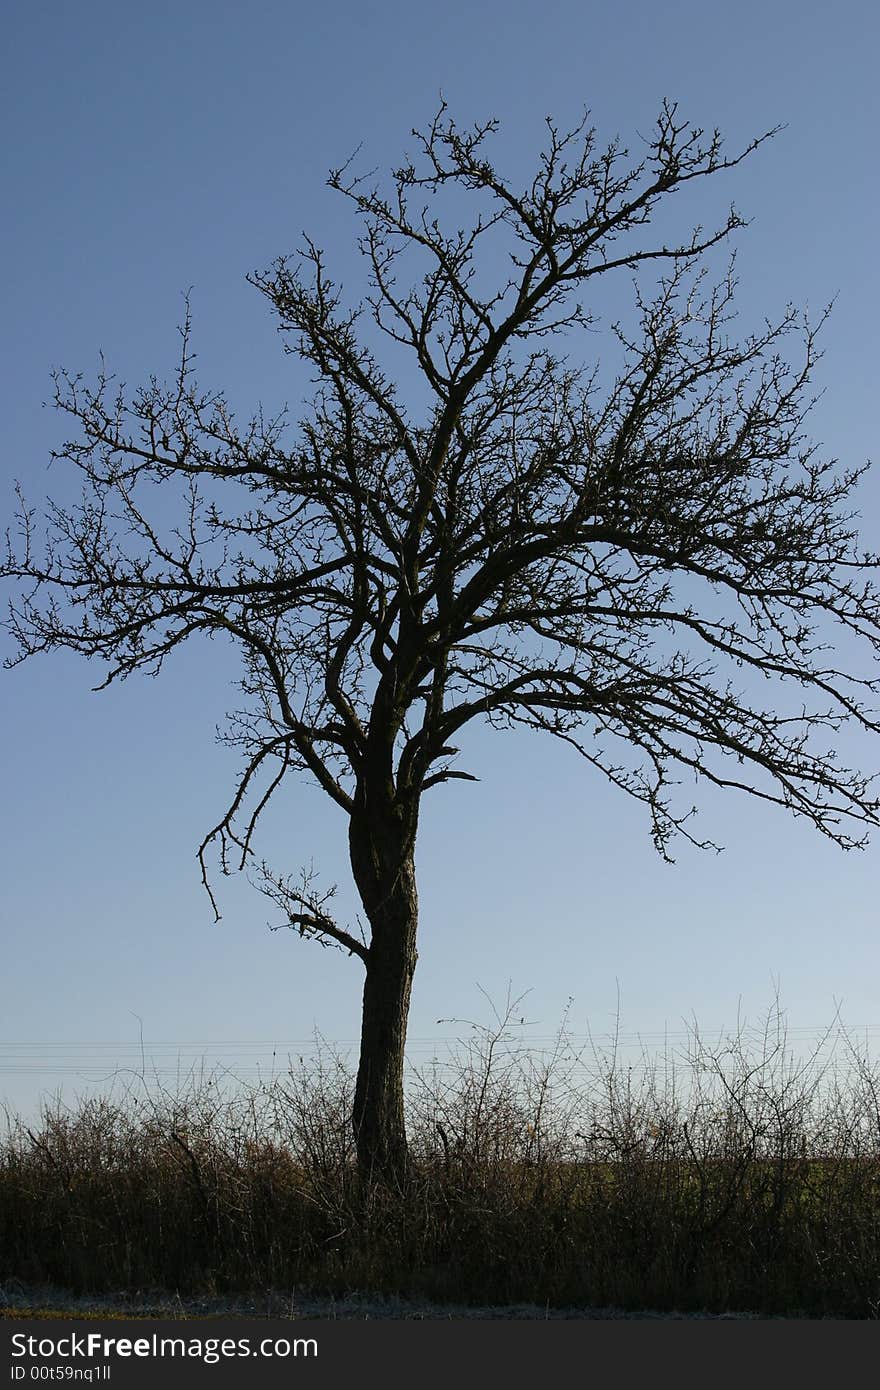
(605, 552)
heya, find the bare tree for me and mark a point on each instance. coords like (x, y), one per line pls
(608, 553)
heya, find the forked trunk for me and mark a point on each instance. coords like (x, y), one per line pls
(385, 874)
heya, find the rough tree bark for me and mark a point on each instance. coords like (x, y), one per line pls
(382, 844)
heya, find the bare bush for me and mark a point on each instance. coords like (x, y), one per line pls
(738, 1175)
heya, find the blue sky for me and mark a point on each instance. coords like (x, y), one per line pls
(153, 148)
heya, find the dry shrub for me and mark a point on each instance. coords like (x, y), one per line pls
(739, 1177)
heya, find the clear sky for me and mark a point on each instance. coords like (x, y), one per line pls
(150, 148)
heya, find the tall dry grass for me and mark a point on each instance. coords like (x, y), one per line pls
(738, 1177)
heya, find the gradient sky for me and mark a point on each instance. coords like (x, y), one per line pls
(156, 147)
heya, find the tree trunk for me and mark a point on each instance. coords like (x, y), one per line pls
(384, 870)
